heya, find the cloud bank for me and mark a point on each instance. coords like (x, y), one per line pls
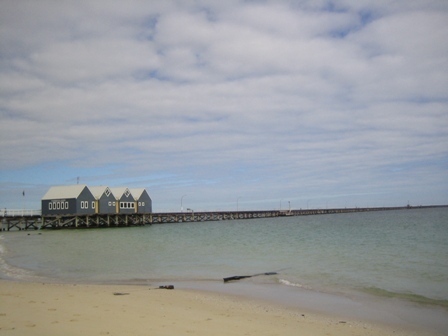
(316, 103)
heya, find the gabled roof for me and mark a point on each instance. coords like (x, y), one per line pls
(98, 191)
(59, 192)
(136, 192)
(119, 191)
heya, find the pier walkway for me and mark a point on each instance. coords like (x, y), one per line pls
(26, 220)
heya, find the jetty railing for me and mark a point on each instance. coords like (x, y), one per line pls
(19, 212)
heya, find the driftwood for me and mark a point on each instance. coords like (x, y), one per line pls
(166, 287)
(239, 277)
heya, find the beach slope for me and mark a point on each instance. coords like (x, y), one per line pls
(67, 309)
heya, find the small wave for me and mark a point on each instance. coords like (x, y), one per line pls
(289, 283)
(13, 272)
(416, 298)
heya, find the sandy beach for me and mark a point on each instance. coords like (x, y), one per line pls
(74, 309)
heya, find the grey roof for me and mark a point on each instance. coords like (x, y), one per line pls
(119, 191)
(60, 192)
(73, 191)
(98, 191)
(136, 192)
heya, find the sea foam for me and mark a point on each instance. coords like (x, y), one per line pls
(289, 283)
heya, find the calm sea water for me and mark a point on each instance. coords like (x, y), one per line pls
(400, 254)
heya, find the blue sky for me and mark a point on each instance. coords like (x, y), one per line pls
(261, 103)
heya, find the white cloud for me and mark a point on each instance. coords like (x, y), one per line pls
(260, 99)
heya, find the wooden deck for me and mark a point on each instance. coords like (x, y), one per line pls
(38, 222)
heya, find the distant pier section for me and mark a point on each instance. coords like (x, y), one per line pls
(33, 220)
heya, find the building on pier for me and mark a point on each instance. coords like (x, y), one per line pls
(105, 200)
(142, 200)
(68, 200)
(85, 200)
(125, 202)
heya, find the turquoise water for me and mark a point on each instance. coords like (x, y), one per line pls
(401, 254)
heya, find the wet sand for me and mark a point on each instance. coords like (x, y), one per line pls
(68, 309)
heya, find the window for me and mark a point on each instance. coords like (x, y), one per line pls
(58, 205)
(50, 205)
(127, 205)
(93, 204)
(127, 193)
(139, 203)
(107, 192)
(143, 203)
(110, 203)
(66, 205)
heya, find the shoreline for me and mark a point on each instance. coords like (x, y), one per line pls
(355, 306)
(32, 308)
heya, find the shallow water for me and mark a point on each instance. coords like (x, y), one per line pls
(391, 254)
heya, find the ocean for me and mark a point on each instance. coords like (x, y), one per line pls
(383, 257)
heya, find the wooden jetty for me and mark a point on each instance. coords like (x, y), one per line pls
(38, 222)
(35, 221)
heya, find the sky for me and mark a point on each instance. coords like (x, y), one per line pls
(219, 105)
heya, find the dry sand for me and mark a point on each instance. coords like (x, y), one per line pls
(64, 309)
